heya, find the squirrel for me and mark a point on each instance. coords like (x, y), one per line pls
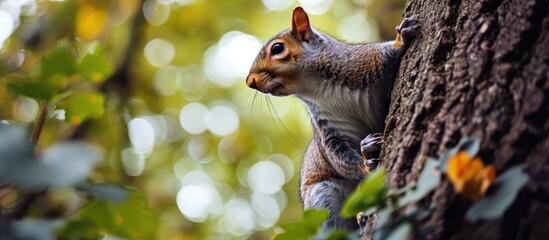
(346, 90)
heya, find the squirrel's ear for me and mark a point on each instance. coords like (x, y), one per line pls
(301, 28)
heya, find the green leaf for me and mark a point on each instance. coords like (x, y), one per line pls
(306, 228)
(62, 165)
(55, 67)
(369, 193)
(14, 147)
(397, 229)
(35, 89)
(383, 218)
(382, 224)
(424, 213)
(58, 62)
(67, 164)
(36, 229)
(78, 108)
(29, 228)
(500, 195)
(94, 65)
(471, 145)
(428, 180)
(131, 219)
(401, 231)
(444, 158)
(339, 234)
(370, 211)
(109, 192)
(79, 229)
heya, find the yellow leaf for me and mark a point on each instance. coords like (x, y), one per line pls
(118, 219)
(469, 176)
(76, 120)
(456, 169)
(90, 21)
(96, 77)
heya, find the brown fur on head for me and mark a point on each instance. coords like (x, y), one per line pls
(275, 70)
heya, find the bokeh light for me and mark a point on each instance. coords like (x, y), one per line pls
(197, 201)
(238, 219)
(266, 177)
(212, 158)
(190, 82)
(316, 7)
(159, 52)
(185, 2)
(156, 13)
(278, 5)
(10, 11)
(356, 28)
(133, 162)
(192, 118)
(198, 150)
(165, 80)
(266, 209)
(141, 134)
(28, 108)
(6, 26)
(184, 166)
(165, 127)
(284, 163)
(222, 120)
(198, 198)
(231, 59)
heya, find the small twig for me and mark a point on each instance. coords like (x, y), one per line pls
(25, 203)
(39, 122)
(120, 79)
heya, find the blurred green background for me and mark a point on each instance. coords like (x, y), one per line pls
(158, 86)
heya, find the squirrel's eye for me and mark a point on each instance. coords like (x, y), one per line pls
(277, 48)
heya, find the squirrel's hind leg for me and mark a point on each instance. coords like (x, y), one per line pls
(331, 194)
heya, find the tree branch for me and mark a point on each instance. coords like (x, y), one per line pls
(24, 204)
(119, 80)
(39, 122)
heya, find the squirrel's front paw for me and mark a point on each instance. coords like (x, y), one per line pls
(370, 147)
(408, 29)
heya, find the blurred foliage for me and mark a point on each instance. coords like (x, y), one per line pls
(140, 123)
(369, 193)
(306, 228)
(399, 211)
(491, 195)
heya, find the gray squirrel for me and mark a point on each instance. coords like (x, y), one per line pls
(346, 89)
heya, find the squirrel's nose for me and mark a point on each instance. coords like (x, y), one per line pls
(251, 80)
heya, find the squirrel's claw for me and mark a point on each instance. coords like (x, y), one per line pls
(371, 144)
(372, 163)
(408, 29)
(370, 147)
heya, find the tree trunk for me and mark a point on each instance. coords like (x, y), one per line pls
(477, 68)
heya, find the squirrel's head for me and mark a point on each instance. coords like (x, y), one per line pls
(276, 68)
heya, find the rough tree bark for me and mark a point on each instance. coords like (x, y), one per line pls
(478, 68)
